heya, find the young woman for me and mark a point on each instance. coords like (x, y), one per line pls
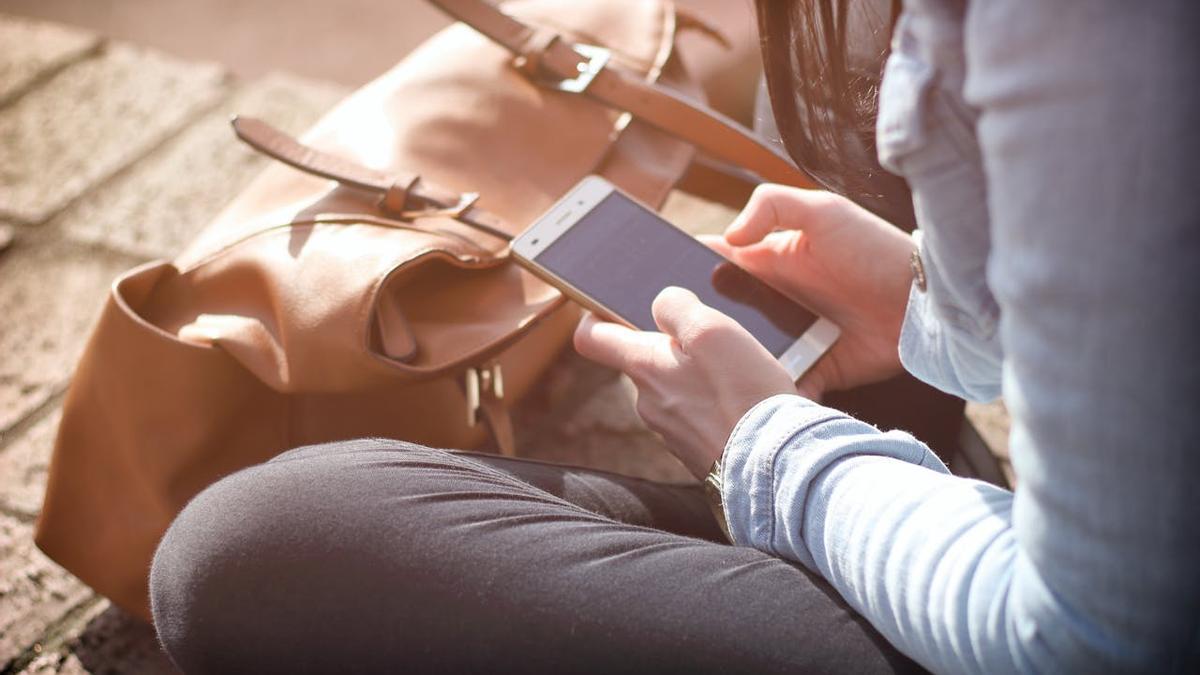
(1050, 149)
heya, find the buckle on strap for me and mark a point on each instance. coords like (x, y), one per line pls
(595, 58)
(478, 381)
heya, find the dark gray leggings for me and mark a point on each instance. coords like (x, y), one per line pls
(382, 556)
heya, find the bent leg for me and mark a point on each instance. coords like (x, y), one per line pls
(383, 556)
(678, 508)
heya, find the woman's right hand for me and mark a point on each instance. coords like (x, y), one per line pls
(839, 259)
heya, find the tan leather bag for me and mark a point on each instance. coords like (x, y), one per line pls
(375, 304)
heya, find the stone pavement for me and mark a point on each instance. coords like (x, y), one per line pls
(111, 155)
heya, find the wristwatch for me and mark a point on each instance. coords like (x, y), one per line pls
(716, 501)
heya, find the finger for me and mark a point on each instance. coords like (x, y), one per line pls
(717, 243)
(614, 345)
(756, 258)
(680, 314)
(777, 207)
(765, 259)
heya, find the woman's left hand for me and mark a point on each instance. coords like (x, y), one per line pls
(695, 379)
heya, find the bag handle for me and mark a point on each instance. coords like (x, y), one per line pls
(552, 60)
(405, 196)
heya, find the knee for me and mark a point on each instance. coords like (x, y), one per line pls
(200, 566)
(245, 551)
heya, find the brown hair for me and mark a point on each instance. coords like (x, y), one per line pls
(823, 61)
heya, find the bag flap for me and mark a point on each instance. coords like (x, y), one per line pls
(295, 305)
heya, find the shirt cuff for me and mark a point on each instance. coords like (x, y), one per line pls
(776, 453)
(942, 354)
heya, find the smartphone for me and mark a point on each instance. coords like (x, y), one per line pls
(614, 255)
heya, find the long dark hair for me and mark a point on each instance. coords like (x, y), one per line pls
(823, 61)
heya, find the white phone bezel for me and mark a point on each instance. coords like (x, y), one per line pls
(577, 203)
(561, 217)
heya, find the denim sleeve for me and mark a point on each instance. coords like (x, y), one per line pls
(1088, 137)
(927, 557)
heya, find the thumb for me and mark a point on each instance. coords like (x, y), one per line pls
(683, 316)
(761, 259)
(778, 207)
(614, 345)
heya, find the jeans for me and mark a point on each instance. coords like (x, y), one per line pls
(377, 555)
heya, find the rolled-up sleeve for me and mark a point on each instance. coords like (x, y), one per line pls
(770, 482)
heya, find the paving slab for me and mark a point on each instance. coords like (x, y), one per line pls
(23, 464)
(34, 592)
(50, 292)
(641, 455)
(92, 119)
(585, 415)
(104, 640)
(347, 41)
(164, 200)
(31, 50)
(611, 408)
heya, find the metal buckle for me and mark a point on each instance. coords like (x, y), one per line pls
(478, 381)
(472, 392)
(595, 58)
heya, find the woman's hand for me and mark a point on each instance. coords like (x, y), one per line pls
(701, 374)
(841, 260)
(695, 379)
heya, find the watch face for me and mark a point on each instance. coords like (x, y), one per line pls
(712, 482)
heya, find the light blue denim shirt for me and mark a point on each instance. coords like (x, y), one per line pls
(1054, 153)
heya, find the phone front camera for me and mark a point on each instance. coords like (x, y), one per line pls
(535, 241)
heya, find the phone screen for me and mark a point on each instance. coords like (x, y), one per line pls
(621, 255)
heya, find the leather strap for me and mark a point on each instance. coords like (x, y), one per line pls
(405, 196)
(558, 60)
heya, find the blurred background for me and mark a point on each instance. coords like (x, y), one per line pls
(347, 42)
(343, 41)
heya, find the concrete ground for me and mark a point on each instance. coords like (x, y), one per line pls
(112, 154)
(343, 41)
